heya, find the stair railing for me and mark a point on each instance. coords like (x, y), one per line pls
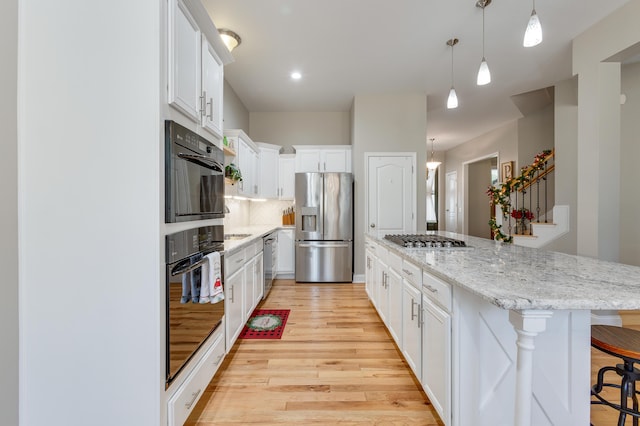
(511, 197)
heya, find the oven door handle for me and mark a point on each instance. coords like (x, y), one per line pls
(202, 160)
(189, 268)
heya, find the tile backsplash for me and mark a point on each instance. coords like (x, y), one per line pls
(245, 213)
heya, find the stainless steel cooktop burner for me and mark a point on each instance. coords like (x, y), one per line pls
(424, 241)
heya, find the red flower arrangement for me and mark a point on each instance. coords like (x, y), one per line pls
(522, 214)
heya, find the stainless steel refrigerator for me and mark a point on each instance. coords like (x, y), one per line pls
(324, 227)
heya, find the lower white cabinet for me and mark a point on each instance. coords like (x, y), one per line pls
(258, 281)
(285, 253)
(394, 318)
(233, 306)
(243, 287)
(184, 399)
(383, 291)
(436, 357)
(411, 327)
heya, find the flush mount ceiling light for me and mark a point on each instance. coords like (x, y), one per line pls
(229, 38)
(296, 75)
(533, 34)
(484, 75)
(433, 164)
(452, 100)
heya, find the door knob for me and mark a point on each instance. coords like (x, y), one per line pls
(373, 225)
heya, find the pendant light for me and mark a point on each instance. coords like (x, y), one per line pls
(484, 75)
(452, 101)
(433, 164)
(533, 34)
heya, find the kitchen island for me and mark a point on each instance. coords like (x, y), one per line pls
(504, 329)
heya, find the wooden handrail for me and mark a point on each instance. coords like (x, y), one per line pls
(538, 177)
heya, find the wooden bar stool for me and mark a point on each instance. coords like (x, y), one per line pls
(623, 343)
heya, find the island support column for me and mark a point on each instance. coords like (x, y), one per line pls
(528, 324)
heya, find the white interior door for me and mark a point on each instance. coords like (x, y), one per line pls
(391, 204)
(451, 213)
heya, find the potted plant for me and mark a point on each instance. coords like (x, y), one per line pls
(232, 173)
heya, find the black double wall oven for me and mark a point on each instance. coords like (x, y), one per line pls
(194, 176)
(194, 190)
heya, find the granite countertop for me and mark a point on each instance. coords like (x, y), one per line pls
(254, 232)
(516, 277)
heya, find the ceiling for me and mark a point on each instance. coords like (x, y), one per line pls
(344, 48)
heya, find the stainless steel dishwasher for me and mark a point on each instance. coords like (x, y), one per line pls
(269, 256)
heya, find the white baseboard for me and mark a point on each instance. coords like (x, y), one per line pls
(358, 278)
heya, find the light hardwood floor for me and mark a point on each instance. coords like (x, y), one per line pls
(335, 364)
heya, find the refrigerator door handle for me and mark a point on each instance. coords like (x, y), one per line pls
(323, 244)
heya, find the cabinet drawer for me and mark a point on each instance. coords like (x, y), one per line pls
(370, 245)
(394, 261)
(234, 262)
(250, 251)
(185, 398)
(437, 290)
(258, 246)
(412, 273)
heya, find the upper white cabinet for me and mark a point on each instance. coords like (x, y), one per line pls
(184, 61)
(323, 158)
(247, 159)
(212, 86)
(268, 169)
(286, 176)
(196, 57)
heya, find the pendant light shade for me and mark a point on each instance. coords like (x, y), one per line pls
(484, 75)
(452, 100)
(433, 164)
(533, 34)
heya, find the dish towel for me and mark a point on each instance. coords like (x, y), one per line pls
(211, 289)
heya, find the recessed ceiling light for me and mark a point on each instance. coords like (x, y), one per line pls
(296, 75)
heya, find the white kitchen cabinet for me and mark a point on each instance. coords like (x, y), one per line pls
(286, 176)
(184, 82)
(195, 69)
(246, 160)
(234, 284)
(394, 317)
(286, 253)
(212, 86)
(184, 399)
(383, 290)
(436, 357)
(249, 288)
(269, 162)
(323, 158)
(371, 276)
(412, 317)
(258, 281)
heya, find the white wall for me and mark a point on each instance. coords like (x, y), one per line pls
(89, 169)
(598, 129)
(300, 128)
(9, 213)
(629, 155)
(235, 114)
(503, 140)
(566, 159)
(387, 123)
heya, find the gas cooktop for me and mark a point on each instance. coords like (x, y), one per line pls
(424, 241)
